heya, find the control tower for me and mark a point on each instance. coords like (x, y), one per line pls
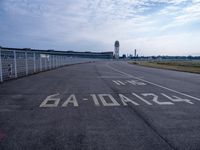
(116, 46)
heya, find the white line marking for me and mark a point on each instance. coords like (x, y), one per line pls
(118, 77)
(166, 88)
(135, 82)
(118, 82)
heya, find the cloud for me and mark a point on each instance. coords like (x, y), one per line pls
(188, 14)
(95, 24)
(166, 44)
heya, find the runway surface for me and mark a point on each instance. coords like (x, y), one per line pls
(104, 105)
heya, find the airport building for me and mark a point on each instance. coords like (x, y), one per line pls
(100, 55)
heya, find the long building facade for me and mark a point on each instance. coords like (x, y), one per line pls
(100, 55)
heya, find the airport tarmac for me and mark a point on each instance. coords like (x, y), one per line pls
(103, 105)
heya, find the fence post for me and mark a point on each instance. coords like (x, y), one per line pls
(57, 58)
(45, 62)
(53, 61)
(59, 61)
(40, 63)
(34, 63)
(1, 72)
(50, 61)
(56, 62)
(15, 62)
(26, 60)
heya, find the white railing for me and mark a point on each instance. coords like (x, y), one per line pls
(16, 63)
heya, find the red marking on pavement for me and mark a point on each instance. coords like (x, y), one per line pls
(2, 135)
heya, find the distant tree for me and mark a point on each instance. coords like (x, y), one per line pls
(124, 56)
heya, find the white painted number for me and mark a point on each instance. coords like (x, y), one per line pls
(109, 100)
(133, 82)
(118, 82)
(50, 101)
(177, 99)
(94, 97)
(155, 99)
(110, 97)
(142, 99)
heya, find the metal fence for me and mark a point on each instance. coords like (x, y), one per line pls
(16, 63)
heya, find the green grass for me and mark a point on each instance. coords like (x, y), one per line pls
(187, 66)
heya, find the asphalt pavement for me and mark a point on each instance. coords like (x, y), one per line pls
(103, 105)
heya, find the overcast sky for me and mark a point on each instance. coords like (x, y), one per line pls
(154, 27)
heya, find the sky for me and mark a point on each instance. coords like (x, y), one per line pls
(153, 27)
